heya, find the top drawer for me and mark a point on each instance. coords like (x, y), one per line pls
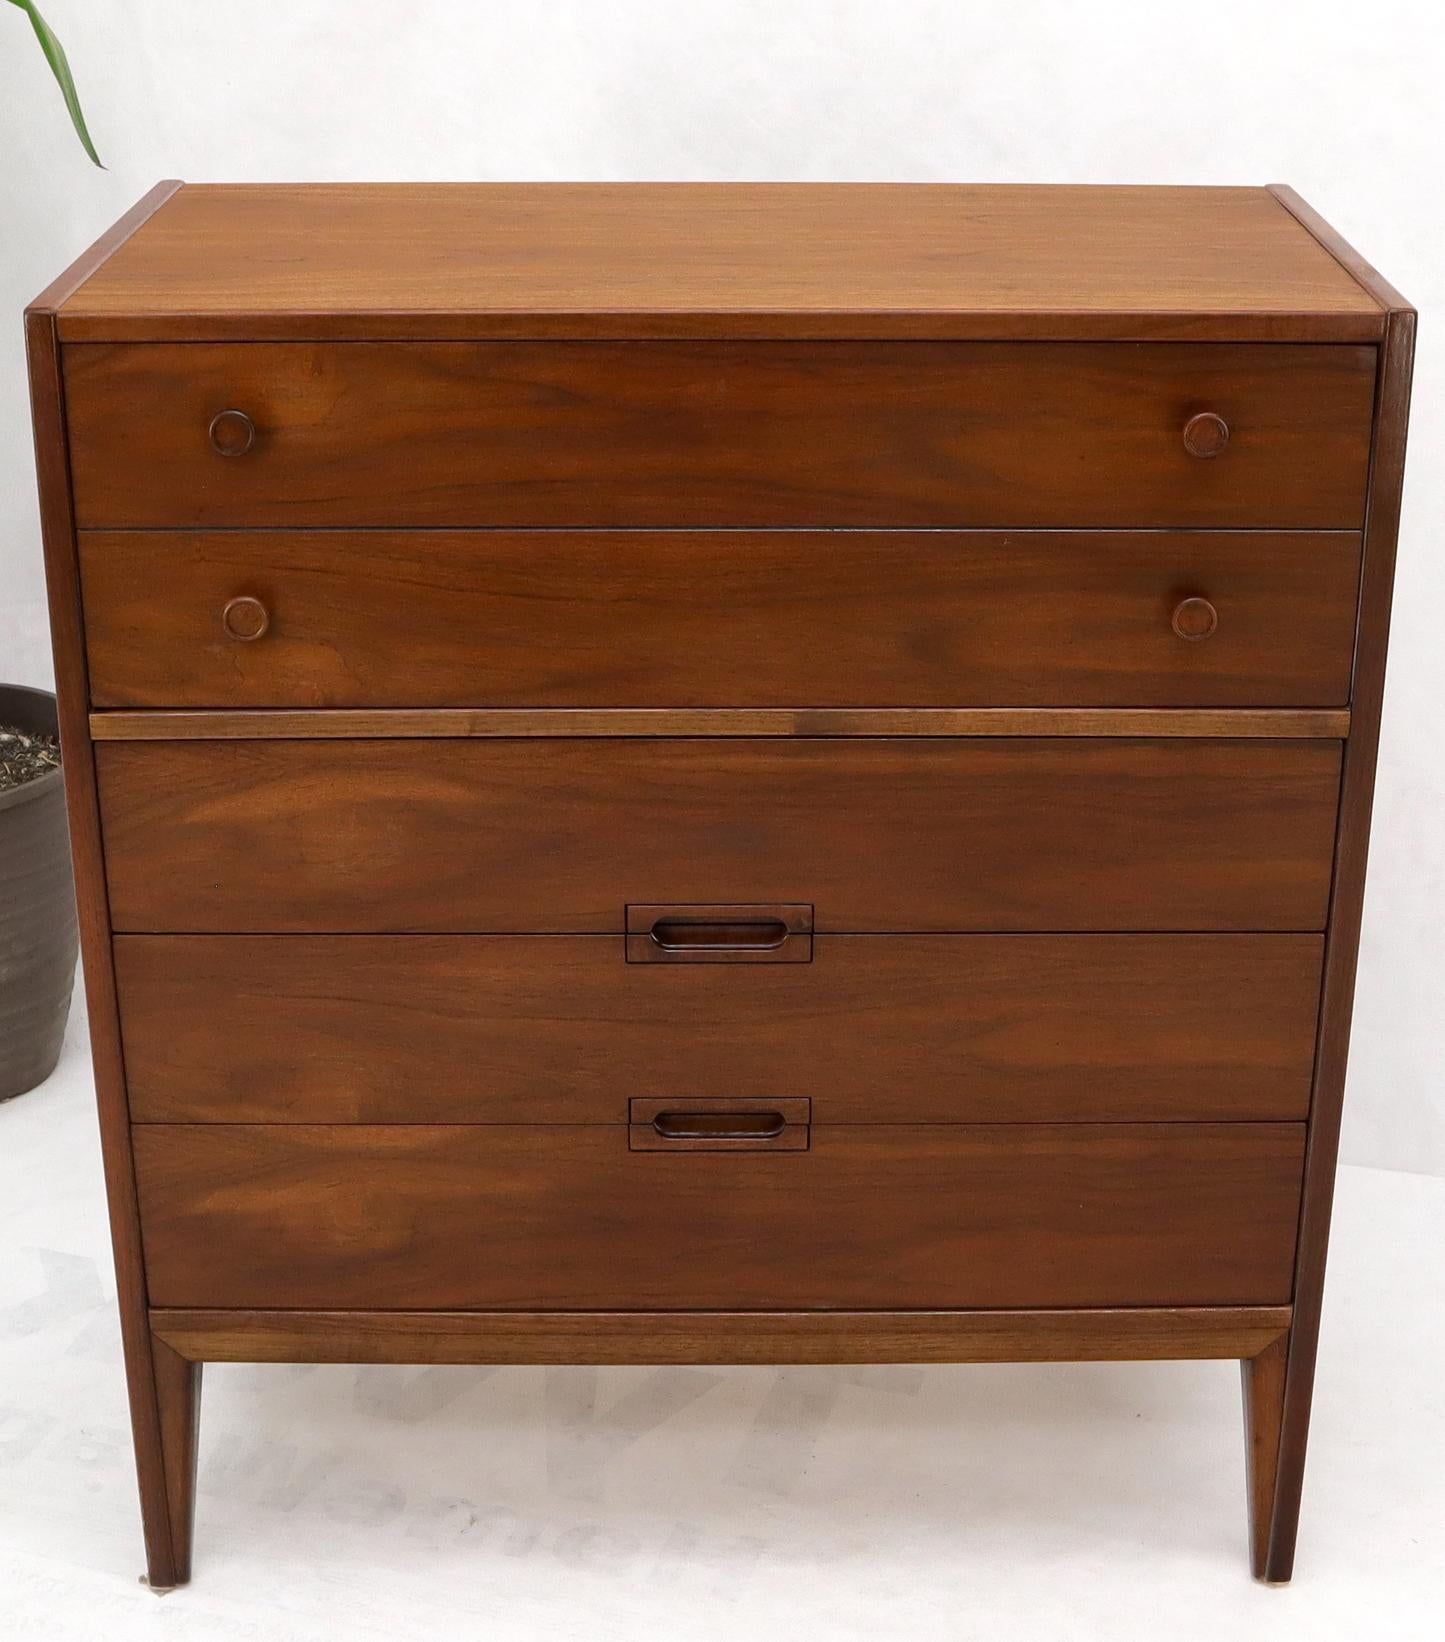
(721, 433)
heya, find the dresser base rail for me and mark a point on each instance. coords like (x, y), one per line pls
(184, 1339)
(613, 1337)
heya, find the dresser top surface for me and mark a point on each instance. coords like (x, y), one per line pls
(713, 260)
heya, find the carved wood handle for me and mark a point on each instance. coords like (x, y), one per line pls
(766, 934)
(1206, 434)
(245, 619)
(232, 433)
(1194, 619)
(697, 1123)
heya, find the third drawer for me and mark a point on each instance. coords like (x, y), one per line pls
(559, 836)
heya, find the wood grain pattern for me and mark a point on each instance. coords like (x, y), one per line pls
(1369, 278)
(777, 260)
(559, 836)
(927, 1216)
(57, 525)
(558, 1029)
(726, 433)
(661, 619)
(44, 311)
(444, 723)
(1346, 907)
(1098, 1334)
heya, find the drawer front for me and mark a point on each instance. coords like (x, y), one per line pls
(561, 1029)
(560, 835)
(904, 1216)
(721, 433)
(666, 619)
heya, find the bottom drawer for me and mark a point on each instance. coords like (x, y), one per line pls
(902, 1216)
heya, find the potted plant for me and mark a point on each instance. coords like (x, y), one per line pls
(37, 902)
(60, 68)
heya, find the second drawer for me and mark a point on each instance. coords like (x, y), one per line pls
(561, 1029)
(731, 619)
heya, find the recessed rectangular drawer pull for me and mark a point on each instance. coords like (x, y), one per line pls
(719, 1125)
(720, 934)
(699, 1124)
(697, 935)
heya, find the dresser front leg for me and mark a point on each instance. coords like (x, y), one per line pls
(1271, 1542)
(178, 1405)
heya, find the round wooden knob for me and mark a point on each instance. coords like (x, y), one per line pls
(1194, 619)
(245, 619)
(1206, 434)
(232, 433)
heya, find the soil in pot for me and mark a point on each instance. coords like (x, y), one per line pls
(37, 900)
(25, 757)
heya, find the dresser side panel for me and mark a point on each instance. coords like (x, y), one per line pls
(1343, 931)
(72, 688)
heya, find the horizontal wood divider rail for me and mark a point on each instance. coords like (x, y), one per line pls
(833, 325)
(448, 722)
(719, 1336)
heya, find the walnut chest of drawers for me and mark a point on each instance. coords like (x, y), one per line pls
(755, 774)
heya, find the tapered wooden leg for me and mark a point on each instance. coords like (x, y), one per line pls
(178, 1405)
(1264, 1380)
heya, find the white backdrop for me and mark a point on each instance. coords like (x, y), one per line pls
(1342, 101)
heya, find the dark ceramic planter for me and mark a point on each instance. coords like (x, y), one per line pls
(37, 910)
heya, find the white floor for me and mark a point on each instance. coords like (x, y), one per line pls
(1035, 1502)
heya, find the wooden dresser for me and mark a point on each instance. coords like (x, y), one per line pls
(719, 774)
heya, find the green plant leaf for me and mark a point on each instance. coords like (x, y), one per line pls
(60, 68)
